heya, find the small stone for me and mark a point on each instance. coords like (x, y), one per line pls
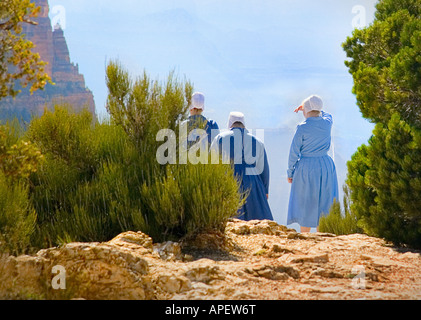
(325, 234)
(311, 259)
(203, 270)
(279, 249)
(174, 284)
(168, 250)
(292, 235)
(326, 273)
(273, 273)
(255, 227)
(291, 271)
(132, 240)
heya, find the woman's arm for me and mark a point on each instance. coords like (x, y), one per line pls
(327, 116)
(265, 175)
(294, 153)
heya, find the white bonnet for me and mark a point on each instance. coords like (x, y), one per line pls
(236, 117)
(198, 101)
(313, 103)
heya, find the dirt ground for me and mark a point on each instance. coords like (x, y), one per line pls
(264, 261)
(255, 260)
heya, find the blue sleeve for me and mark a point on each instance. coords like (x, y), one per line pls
(327, 116)
(212, 130)
(295, 152)
(265, 175)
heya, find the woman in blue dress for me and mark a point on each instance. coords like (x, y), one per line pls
(248, 155)
(196, 120)
(311, 171)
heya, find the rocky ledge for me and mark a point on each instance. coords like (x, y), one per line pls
(251, 261)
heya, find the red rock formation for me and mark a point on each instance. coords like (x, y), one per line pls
(69, 85)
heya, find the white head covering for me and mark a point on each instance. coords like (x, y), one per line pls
(198, 101)
(236, 117)
(313, 103)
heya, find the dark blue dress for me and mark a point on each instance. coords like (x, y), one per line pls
(248, 155)
(200, 122)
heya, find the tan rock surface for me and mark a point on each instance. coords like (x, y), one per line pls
(256, 260)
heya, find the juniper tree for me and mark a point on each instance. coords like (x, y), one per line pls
(385, 176)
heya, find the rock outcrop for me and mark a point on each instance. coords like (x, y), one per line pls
(69, 88)
(263, 261)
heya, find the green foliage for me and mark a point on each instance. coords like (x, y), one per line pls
(386, 64)
(361, 195)
(385, 181)
(384, 176)
(395, 176)
(18, 159)
(101, 179)
(190, 199)
(17, 217)
(142, 107)
(176, 200)
(17, 61)
(338, 222)
(73, 200)
(66, 141)
(67, 136)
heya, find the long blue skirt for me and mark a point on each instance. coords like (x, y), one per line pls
(314, 188)
(257, 205)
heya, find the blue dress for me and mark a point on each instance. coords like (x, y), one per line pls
(315, 183)
(251, 167)
(196, 122)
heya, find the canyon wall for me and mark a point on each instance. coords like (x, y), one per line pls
(69, 84)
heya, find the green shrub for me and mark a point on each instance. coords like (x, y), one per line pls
(190, 199)
(177, 200)
(387, 193)
(17, 217)
(101, 179)
(18, 159)
(340, 222)
(75, 192)
(100, 209)
(66, 140)
(67, 136)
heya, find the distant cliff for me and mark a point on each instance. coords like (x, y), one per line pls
(69, 85)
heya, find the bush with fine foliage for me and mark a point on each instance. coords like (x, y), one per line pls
(100, 179)
(18, 159)
(340, 222)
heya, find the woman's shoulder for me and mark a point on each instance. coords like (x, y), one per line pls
(224, 134)
(212, 124)
(327, 116)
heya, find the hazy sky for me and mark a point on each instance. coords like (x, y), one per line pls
(262, 57)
